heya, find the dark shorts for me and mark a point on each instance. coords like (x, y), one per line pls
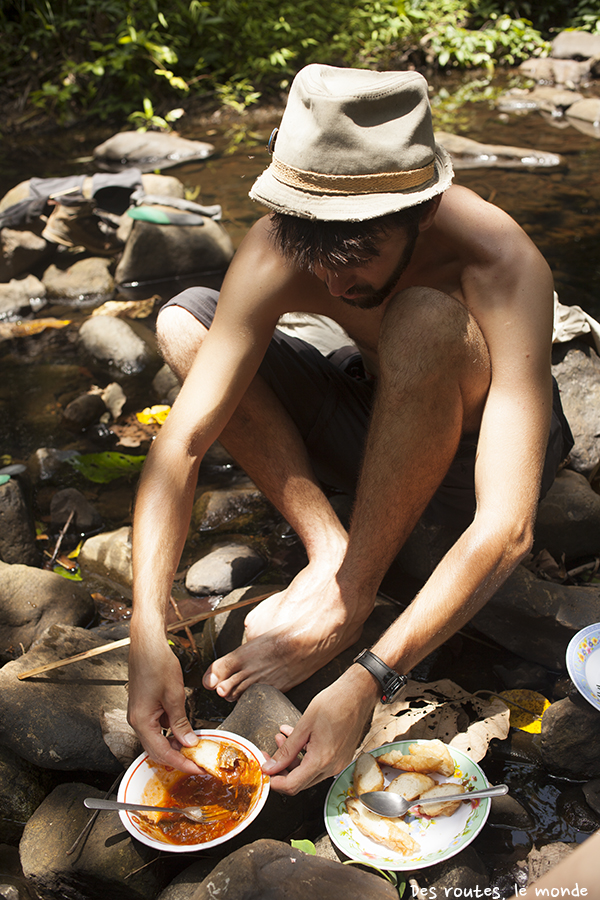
(330, 400)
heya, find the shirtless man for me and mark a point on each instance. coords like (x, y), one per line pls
(450, 305)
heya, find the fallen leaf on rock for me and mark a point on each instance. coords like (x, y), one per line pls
(441, 710)
(157, 414)
(128, 309)
(35, 326)
(104, 467)
(526, 709)
(119, 736)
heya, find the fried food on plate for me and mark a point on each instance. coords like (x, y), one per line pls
(432, 756)
(392, 833)
(367, 775)
(410, 785)
(441, 791)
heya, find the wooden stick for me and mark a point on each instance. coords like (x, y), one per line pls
(114, 645)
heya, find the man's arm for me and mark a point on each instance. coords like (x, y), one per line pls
(220, 376)
(513, 302)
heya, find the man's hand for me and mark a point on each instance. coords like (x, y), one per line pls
(329, 733)
(157, 702)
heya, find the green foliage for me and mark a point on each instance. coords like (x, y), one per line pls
(135, 57)
(104, 467)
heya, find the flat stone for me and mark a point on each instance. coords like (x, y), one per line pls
(572, 44)
(109, 555)
(569, 738)
(226, 567)
(576, 367)
(53, 719)
(148, 151)
(109, 863)
(31, 600)
(469, 154)
(259, 870)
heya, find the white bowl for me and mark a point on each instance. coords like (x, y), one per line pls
(145, 782)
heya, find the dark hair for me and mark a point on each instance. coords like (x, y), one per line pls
(311, 242)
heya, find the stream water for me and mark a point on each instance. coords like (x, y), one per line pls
(558, 209)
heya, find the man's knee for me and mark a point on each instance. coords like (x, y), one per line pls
(179, 336)
(431, 329)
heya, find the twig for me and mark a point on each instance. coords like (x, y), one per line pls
(188, 633)
(87, 828)
(114, 645)
(586, 567)
(60, 539)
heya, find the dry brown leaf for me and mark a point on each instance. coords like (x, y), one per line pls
(128, 309)
(441, 710)
(34, 326)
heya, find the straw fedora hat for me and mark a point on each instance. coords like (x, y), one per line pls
(353, 144)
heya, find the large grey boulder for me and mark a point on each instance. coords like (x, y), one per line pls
(569, 738)
(576, 367)
(87, 280)
(155, 252)
(17, 532)
(31, 600)
(108, 863)
(148, 151)
(536, 619)
(568, 520)
(123, 347)
(270, 870)
(54, 719)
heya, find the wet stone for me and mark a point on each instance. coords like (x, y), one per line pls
(225, 568)
(570, 737)
(85, 517)
(22, 789)
(572, 807)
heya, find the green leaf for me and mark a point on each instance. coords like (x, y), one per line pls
(71, 576)
(4, 479)
(104, 467)
(305, 846)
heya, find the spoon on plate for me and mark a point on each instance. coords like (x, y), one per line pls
(390, 805)
(193, 813)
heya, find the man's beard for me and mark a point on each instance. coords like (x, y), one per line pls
(365, 298)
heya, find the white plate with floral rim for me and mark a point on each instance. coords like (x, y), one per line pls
(439, 838)
(583, 663)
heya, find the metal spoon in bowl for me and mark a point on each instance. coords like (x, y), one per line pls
(193, 813)
(390, 805)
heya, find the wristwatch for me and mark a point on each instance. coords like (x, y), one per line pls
(389, 680)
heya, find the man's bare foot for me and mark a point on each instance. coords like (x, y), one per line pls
(289, 637)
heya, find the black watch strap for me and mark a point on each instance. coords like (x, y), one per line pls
(389, 680)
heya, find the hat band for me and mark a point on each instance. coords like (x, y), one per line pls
(377, 183)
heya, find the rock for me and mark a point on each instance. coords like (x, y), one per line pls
(539, 862)
(575, 44)
(17, 531)
(459, 876)
(21, 250)
(576, 367)
(22, 789)
(86, 281)
(185, 885)
(84, 411)
(156, 252)
(47, 462)
(165, 385)
(259, 870)
(524, 675)
(53, 720)
(585, 116)
(31, 600)
(567, 72)
(569, 738)
(109, 863)
(148, 151)
(20, 293)
(536, 619)
(572, 808)
(232, 509)
(86, 518)
(506, 812)
(258, 714)
(591, 792)
(568, 520)
(109, 555)
(469, 154)
(225, 568)
(118, 345)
